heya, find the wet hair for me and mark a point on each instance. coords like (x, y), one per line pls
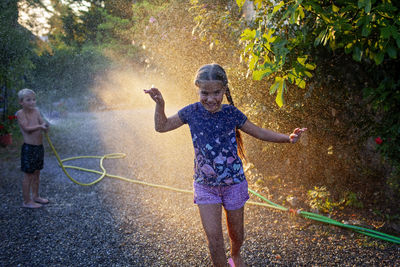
(24, 92)
(214, 72)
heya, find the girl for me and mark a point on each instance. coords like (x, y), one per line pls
(219, 179)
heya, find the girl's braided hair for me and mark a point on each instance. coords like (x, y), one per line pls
(214, 72)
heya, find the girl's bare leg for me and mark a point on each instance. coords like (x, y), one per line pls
(26, 191)
(235, 222)
(211, 219)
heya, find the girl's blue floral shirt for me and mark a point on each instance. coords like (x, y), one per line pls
(216, 160)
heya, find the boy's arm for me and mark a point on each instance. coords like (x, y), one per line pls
(162, 123)
(24, 124)
(271, 136)
(40, 118)
(43, 122)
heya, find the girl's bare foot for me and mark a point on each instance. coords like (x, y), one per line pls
(31, 205)
(238, 261)
(41, 200)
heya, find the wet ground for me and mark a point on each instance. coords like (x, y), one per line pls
(117, 223)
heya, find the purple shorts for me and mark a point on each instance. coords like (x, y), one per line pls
(232, 197)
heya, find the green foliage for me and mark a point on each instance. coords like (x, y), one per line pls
(94, 26)
(281, 39)
(353, 201)
(119, 8)
(394, 180)
(15, 46)
(319, 199)
(67, 71)
(143, 10)
(384, 102)
(73, 34)
(275, 45)
(91, 20)
(216, 23)
(386, 216)
(114, 30)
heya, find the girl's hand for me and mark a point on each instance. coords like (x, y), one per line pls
(156, 95)
(295, 136)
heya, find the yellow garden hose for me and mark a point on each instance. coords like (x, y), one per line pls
(104, 172)
(270, 204)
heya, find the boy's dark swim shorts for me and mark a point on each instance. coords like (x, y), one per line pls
(32, 157)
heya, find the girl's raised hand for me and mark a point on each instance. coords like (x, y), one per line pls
(295, 136)
(156, 95)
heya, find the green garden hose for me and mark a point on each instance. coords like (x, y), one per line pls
(270, 204)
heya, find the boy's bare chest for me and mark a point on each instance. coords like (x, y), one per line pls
(32, 118)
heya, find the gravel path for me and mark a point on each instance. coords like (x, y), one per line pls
(116, 223)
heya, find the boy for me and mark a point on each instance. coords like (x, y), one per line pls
(32, 153)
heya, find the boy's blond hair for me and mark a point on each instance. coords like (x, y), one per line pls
(24, 92)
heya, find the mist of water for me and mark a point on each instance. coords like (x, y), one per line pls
(125, 124)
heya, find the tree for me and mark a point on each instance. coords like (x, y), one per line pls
(15, 48)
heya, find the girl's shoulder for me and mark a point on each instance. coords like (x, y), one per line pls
(193, 106)
(188, 112)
